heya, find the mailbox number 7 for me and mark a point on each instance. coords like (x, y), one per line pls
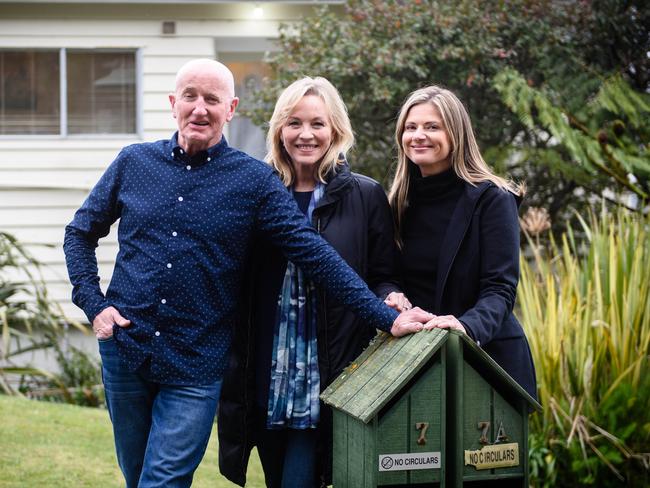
(484, 427)
(422, 427)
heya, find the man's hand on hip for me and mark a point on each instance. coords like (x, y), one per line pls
(410, 321)
(104, 321)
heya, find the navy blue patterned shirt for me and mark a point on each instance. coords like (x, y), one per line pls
(184, 235)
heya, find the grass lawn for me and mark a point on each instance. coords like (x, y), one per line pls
(55, 445)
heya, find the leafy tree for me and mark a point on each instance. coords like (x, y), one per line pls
(614, 36)
(604, 145)
(586, 130)
(376, 52)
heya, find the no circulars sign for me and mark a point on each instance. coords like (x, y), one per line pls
(409, 461)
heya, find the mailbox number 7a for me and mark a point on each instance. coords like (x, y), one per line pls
(484, 427)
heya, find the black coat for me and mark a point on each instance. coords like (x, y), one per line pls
(354, 217)
(478, 272)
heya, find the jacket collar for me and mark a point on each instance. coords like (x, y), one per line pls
(458, 225)
(339, 181)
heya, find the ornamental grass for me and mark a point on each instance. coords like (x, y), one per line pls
(585, 306)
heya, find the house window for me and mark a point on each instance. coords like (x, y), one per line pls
(97, 91)
(29, 92)
(101, 92)
(248, 70)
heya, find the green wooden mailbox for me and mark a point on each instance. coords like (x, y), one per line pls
(430, 409)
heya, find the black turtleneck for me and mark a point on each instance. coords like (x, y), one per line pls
(432, 201)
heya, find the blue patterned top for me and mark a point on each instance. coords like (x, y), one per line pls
(184, 236)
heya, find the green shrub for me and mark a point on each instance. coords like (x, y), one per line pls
(30, 321)
(585, 306)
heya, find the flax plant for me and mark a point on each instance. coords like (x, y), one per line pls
(30, 321)
(585, 306)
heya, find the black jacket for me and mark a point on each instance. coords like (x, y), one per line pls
(354, 217)
(478, 272)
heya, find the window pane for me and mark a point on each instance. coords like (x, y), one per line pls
(101, 93)
(29, 92)
(243, 134)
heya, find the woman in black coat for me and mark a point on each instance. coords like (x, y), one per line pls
(458, 230)
(308, 136)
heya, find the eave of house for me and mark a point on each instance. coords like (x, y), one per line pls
(282, 11)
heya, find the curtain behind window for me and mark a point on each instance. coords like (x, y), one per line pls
(101, 93)
(29, 92)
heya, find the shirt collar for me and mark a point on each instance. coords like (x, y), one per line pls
(179, 156)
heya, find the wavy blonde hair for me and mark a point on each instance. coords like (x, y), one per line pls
(342, 136)
(466, 159)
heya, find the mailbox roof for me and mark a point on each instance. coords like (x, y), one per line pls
(386, 365)
(389, 363)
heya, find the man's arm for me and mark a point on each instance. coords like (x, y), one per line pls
(90, 223)
(287, 227)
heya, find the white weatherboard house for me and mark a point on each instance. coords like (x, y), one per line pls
(81, 79)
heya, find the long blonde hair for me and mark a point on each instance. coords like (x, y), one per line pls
(466, 159)
(342, 136)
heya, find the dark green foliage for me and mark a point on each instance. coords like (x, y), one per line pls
(571, 464)
(614, 36)
(601, 145)
(543, 471)
(80, 376)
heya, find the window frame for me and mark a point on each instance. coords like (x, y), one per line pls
(63, 96)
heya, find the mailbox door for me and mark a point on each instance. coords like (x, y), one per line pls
(411, 431)
(493, 432)
(354, 452)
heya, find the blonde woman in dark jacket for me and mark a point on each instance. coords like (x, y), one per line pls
(458, 230)
(270, 394)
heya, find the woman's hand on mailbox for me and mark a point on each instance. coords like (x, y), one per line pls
(445, 322)
(398, 301)
(410, 321)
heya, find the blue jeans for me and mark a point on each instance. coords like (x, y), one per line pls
(288, 456)
(161, 431)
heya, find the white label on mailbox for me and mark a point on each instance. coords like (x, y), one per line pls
(403, 462)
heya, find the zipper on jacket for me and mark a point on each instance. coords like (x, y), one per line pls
(326, 348)
(323, 313)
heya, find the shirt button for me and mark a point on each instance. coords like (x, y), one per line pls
(157, 333)
(181, 151)
(172, 154)
(208, 159)
(169, 265)
(188, 167)
(174, 233)
(163, 301)
(180, 199)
